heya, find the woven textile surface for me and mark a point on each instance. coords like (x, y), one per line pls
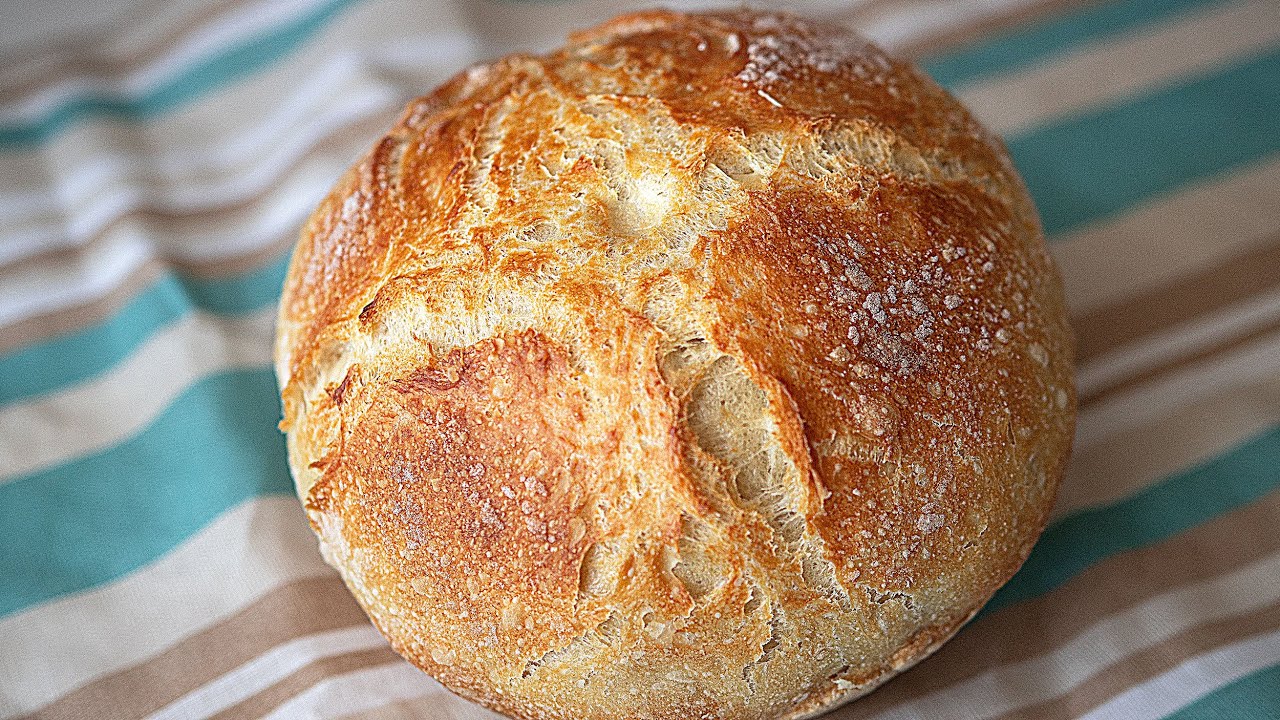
(157, 159)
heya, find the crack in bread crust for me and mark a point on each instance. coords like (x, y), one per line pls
(712, 366)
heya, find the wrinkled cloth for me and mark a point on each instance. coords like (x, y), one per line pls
(157, 160)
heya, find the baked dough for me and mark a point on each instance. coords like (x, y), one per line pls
(713, 366)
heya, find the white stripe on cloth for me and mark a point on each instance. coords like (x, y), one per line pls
(27, 59)
(1166, 393)
(1180, 341)
(268, 669)
(249, 550)
(1090, 76)
(206, 158)
(1169, 237)
(375, 687)
(222, 32)
(1145, 453)
(68, 281)
(111, 181)
(1008, 687)
(78, 420)
(894, 24)
(1192, 680)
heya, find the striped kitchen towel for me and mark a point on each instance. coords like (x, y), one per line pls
(157, 158)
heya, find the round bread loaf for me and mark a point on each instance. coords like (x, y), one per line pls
(713, 366)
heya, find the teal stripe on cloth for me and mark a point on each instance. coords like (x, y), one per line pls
(1027, 45)
(241, 293)
(90, 521)
(1253, 696)
(56, 363)
(1093, 166)
(1074, 543)
(201, 78)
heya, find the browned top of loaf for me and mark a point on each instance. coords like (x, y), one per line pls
(712, 366)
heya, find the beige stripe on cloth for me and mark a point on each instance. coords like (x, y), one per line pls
(425, 710)
(369, 688)
(1174, 363)
(303, 607)
(177, 229)
(201, 244)
(92, 57)
(1164, 329)
(47, 325)
(955, 34)
(145, 23)
(196, 182)
(1142, 452)
(1139, 667)
(1171, 236)
(1202, 292)
(369, 59)
(181, 228)
(204, 268)
(243, 554)
(295, 684)
(1178, 388)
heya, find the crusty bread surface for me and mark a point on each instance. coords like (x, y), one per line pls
(713, 366)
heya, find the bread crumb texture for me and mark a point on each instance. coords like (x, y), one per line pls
(711, 367)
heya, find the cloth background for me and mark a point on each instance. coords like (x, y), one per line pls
(157, 159)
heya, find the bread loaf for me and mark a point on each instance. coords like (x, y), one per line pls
(713, 366)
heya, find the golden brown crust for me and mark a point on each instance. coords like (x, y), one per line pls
(710, 367)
